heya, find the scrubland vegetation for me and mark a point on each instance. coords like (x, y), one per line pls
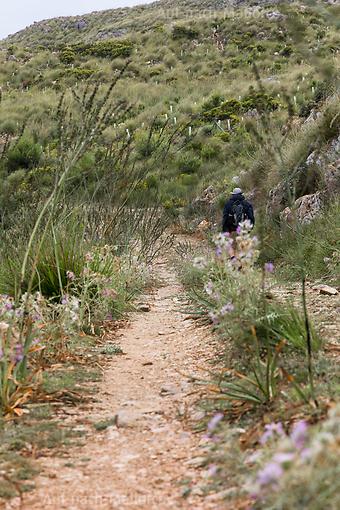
(111, 128)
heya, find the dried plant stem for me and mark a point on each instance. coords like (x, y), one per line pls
(309, 342)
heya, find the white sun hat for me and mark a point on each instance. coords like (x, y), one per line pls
(237, 191)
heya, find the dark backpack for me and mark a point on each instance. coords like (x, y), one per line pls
(238, 214)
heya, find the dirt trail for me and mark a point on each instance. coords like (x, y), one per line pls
(139, 464)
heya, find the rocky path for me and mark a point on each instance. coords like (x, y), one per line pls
(148, 459)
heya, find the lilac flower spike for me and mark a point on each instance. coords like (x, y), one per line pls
(270, 430)
(215, 420)
(270, 474)
(229, 307)
(64, 300)
(19, 353)
(299, 434)
(269, 267)
(70, 275)
(214, 317)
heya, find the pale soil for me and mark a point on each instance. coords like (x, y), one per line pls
(143, 462)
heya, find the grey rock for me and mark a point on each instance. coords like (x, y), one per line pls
(305, 209)
(168, 389)
(197, 462)
(275, 16)
(144, 307)
(326, 289)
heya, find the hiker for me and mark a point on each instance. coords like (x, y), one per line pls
(237, 210)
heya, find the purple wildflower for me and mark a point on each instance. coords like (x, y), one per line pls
(299, 434)
(270, 474)
(283, 457)
(270, 430)
(215, 420)
(88, 257)
(229, 307)
(19, 353)
(269, 267)
(239, 230)
(64, 300)
(214, 317)
(8, 306)
(70, 275)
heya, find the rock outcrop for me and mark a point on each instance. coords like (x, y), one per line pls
(305, 209)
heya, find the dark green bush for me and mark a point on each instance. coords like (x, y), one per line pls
(188, 163)
(182, 32)
(105, 49)
(25, 154)
(67, 56)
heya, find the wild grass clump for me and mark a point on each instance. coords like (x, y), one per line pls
(319, 255)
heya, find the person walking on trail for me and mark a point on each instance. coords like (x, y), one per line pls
(237, 210)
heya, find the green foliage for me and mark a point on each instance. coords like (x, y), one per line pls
(289, 325)
(105, 49)
(61, 253)
(81, 73)
(184, 32)
(302, 250)
(25, 154)
(188, 163)
(67, 56)
(231, 108)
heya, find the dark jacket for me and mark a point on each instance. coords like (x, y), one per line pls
(228, 225)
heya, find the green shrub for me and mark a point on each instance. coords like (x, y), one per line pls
(25, 154)
(211, 150)
(183, 32)
(8, 127)
(67, 56)
(188, 163)
(105, 49)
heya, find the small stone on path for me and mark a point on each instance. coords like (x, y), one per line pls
(326, 289)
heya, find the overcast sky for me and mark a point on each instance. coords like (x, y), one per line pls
(18, 14)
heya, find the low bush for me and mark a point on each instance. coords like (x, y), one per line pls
(183, 32)
(188, 163)
(25, 154)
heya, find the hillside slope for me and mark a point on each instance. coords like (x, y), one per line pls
(191, 70)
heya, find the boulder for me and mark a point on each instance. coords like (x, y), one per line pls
(306, 209)
(275, 16)
(313, 159)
